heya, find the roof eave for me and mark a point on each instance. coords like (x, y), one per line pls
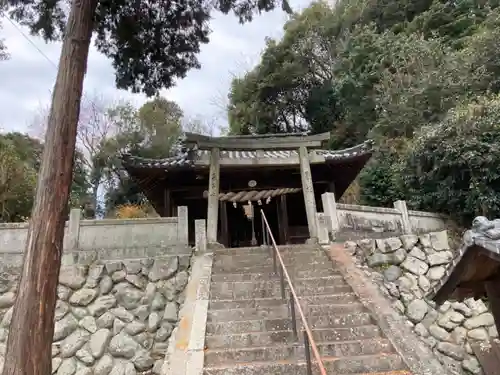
(475, 240)
(186, 160)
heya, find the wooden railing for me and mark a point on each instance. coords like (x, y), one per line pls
(268, 240)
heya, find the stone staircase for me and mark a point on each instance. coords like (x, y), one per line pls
(249, 329)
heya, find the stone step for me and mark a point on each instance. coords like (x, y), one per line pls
(288, 259)
(274, 290)
(263, 250)
(245, 340)
(270, 325)
(267, 255)
(271, 312)
(268, 268)
(301, 274)
(276, 312)
(267, 302)
(368, 364)
(296, 351)
(316, 282)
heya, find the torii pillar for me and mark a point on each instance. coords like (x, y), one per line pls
(213, 197)
(308, 190)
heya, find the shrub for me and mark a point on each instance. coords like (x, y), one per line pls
(453, 167)
(131, 211)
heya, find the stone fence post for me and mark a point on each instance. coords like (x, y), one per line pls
(200, 234)
(405, 218)
(330, 211)
(323, 231)
(182, 225)
(73, 233)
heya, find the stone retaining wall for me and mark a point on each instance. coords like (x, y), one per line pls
(112, 317)
(405, 268)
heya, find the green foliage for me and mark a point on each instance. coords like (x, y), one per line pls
(452, 167)
(483, 50)
(422, 80)
(3, 49)
(21, 160)
(160, 122)
(17, 184)
(149, 131)
(378, 69)
(453, 21)
(363, 65)
(150, 43)
(272, 98)
(380, 180)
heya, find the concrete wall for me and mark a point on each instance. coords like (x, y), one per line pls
(369, 219)
(426, 222)
(106, 234)
(348, 221)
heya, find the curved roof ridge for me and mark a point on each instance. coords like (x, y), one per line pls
(188, 157)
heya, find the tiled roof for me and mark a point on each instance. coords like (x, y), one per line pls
(484, 237)
(188, 158)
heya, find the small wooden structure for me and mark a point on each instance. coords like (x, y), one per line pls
(475, 272)
(215, 176)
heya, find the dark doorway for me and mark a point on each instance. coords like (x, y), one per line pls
(271, 213)
(239, 226)
(242, 230)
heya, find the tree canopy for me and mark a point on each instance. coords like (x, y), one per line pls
(106, 131)
(374, 69)
(3, 49)
(20, 157)
(150, 43)
(452, 167)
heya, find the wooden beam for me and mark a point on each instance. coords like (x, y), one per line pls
(448, 288)
(488, 356)
(256, 142)
(242, 187)
(259, 162)
(493, 294)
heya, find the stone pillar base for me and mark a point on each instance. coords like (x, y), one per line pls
(312, 241)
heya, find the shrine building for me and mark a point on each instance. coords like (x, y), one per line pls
(227, 180)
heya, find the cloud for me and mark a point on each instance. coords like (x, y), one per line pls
(28, 77)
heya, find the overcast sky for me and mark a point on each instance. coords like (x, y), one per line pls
(26, 80)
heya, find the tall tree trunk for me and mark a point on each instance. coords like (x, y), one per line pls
(31, 331)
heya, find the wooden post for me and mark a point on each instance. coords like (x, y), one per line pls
(283, 217)
(331, 187)
(29, 345)
(224, 224)
(167, 203)
(281, 232)
(493, 294)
